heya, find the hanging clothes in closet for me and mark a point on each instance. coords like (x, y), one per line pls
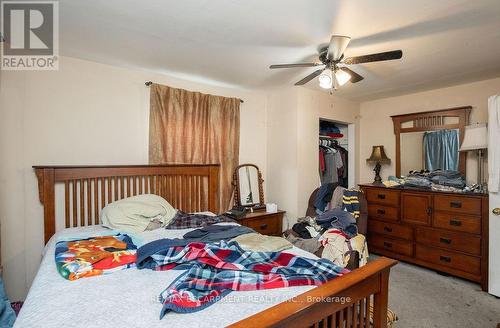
(333, 162)
(333, 158)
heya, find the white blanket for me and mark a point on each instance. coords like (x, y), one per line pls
(128, 298)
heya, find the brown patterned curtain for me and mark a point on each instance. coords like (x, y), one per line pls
(194, 128)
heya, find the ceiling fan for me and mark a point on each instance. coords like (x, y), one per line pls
(334, 73)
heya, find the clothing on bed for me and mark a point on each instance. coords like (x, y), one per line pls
(214, 270)
(215, 233)
(187, 221)
(134, 214)
(256, 242)
(94, 256)
(311, 245)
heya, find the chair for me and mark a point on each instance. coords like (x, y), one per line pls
(362, 222)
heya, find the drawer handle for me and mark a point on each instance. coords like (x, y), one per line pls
(456, 223)
(446, 259)
(263, 226)
(445, 240)
(429, 210)
(381, 196)
(387, 229)
(386, 244)
(380, 211)
(456, 204)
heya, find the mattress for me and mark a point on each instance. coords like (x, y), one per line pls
(129, 298)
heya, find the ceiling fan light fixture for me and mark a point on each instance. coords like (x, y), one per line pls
(342, 77)
(325, 79)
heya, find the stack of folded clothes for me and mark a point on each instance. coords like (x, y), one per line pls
(447, 178)
(442, 180)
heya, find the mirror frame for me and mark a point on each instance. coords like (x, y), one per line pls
(432, 121)
(236, 186)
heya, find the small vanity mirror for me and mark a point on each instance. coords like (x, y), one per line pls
(247, 182)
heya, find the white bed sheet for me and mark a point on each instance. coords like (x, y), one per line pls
(129, 298)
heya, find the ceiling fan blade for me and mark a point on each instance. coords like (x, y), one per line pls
(337, 46)
(389, 55)
(310, 77)
(355, 77)
(294, 65)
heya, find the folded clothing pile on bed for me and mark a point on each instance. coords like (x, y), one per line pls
(216, 269)
(195, 220)
(94, 256)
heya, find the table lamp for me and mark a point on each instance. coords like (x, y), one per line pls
(378, 157)
(476, 138)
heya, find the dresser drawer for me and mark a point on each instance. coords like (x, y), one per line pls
(456, 222)
(449, 259)
(457, 204)
(393, 245)
(390, 229)
(383, 212)
(449, 240)
(267, 225)
(382, 196)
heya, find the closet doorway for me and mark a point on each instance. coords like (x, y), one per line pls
(336, 153)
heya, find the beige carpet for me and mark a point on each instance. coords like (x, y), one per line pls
(422, 298)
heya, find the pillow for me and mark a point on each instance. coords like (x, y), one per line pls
(134, 214)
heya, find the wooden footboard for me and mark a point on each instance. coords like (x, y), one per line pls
(343, 302)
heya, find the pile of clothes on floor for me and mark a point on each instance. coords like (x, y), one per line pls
(333, 233)
(439, 180)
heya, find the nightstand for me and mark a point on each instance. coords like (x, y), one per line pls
(264, 222)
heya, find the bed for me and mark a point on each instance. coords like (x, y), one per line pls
(130, 296)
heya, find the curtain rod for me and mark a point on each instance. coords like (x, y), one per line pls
(148, 83)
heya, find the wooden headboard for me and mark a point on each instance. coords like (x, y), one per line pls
(87, 189)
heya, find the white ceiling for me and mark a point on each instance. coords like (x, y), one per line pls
(232, 42)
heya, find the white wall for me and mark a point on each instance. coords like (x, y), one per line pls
(85, 113)
(293, 128)
(376, 126)
(282, 152)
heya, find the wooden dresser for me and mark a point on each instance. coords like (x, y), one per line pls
(447, 232)
(264, 222)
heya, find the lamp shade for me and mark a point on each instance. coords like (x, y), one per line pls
(378, 156)
(475, 137)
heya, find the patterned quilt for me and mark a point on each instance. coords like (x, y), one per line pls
(94, 256)
(216, 269)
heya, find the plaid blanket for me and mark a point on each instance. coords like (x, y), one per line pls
(94, 256)
(214, 270)
(186, 221)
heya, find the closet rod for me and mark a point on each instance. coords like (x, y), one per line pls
(148, 83)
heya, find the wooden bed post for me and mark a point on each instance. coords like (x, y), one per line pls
(46, 193)
(380, 302)
(213, 197)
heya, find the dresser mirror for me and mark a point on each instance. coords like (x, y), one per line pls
(430, 140)
(247, 183)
